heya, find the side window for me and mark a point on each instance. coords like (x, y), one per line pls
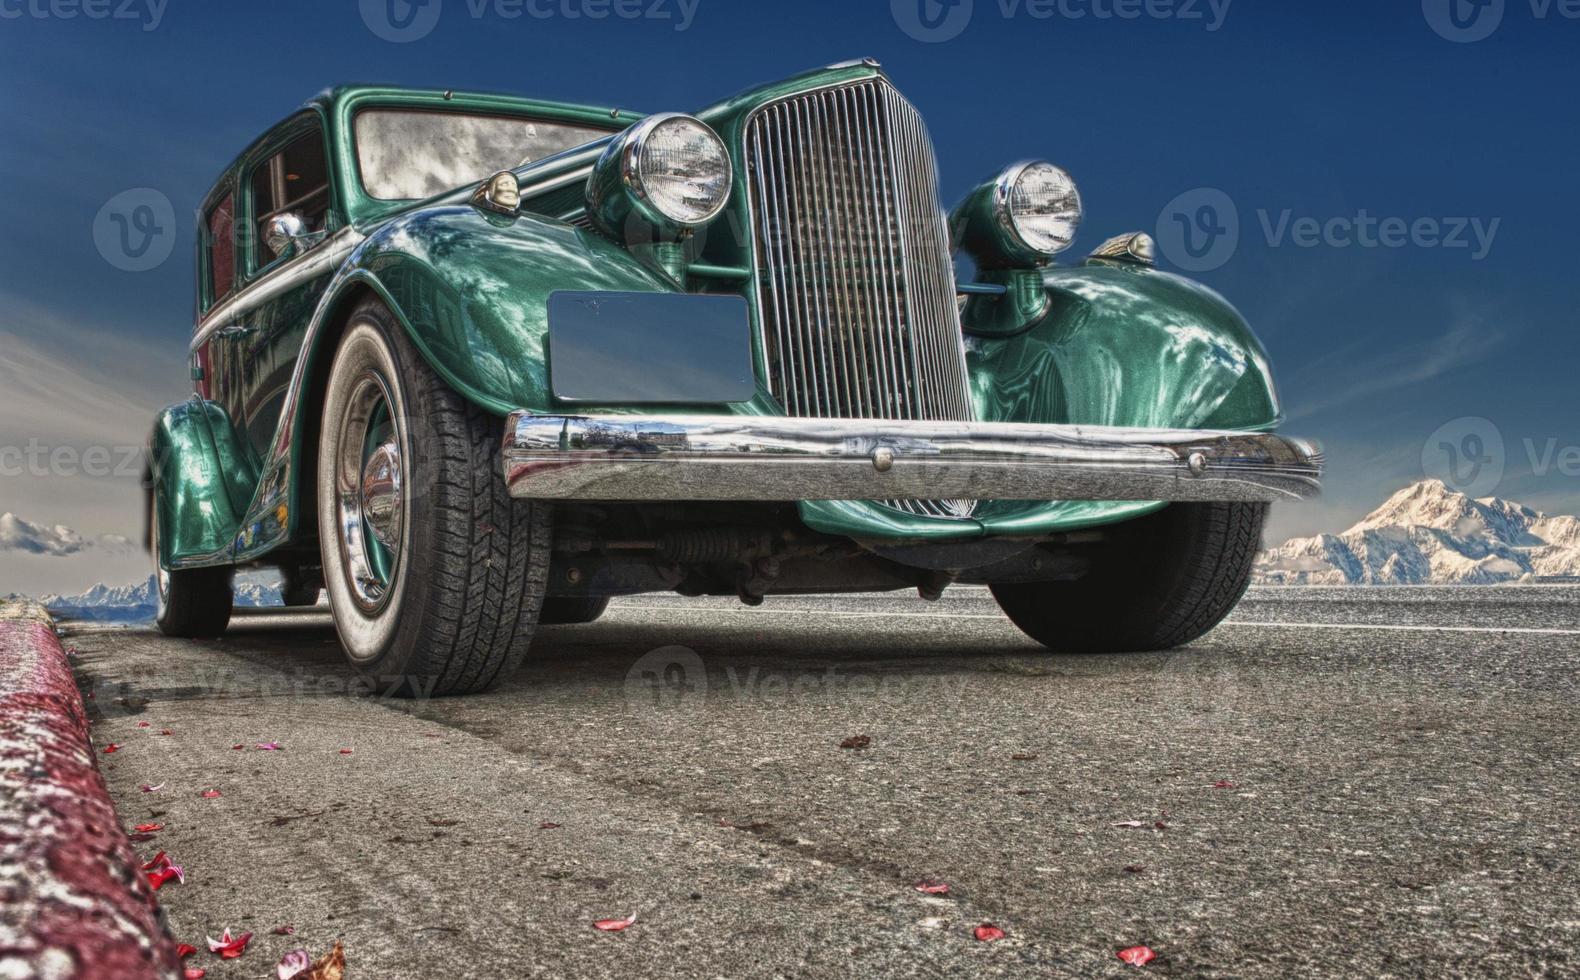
(294, 180)
(220, 225)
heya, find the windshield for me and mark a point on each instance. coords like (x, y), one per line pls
(412, 154)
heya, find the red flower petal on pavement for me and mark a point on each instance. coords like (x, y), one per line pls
(931, 887)
(148, 828)
(238, 747)
(347, 751)
(270, 747)
(209, 794)
(183, 950)
(151, 789)
(285, 930)
(987, 932)
(227, 947)
(111, 748)
(1137, 955)
(615, 925)
(1161, 825)
(144, 724)
(294, 962)
(157, 878)
(195, 973)
(166, 731)
(159, 860)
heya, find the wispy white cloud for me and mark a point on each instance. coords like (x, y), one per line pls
(1369, 368)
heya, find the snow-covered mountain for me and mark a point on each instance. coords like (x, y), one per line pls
(1427, 534)
(139, 602)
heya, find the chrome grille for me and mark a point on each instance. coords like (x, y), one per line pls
(855, 285)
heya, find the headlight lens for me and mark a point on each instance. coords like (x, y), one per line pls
(1040, 205)
(681, 167)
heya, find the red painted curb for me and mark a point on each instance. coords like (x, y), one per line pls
(73, 902)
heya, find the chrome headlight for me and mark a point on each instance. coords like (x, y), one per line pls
(1025, 217)
(669, 170)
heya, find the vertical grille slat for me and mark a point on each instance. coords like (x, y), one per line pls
(855, 284)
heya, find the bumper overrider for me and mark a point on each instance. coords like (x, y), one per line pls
(763, 458)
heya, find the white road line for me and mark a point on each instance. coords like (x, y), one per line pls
(840, 614)
(1410, 629)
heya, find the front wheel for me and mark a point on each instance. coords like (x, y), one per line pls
(434, 572)
(1154, 584)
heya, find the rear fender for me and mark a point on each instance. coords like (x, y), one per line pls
(199, 481)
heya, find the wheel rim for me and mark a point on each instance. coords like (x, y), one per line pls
(370, 481)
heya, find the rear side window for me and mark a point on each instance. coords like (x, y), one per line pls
(295, 180)
(221, 249)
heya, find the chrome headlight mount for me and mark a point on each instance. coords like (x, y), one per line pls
(666, 176)
(1021, 219)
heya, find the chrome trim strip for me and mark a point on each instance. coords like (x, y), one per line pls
(327, 257)
(579, 175)
(699, 457)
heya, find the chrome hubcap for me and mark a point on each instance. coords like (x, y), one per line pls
(369, 486)
(381, 495)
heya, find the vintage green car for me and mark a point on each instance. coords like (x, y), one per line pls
(475, 363)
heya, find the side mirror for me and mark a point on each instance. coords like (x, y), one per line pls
(287, 235)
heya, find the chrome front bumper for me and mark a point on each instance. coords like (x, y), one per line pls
(707, 457)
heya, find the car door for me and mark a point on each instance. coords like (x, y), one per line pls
(288, 175)
(215, 369)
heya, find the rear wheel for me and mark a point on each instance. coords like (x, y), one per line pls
(435, 574)
(192, 603)
(572, 610)
(1154, 584)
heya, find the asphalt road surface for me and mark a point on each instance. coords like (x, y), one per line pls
(1404, 770)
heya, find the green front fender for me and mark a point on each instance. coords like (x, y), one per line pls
(471, 290)
(1120, 345)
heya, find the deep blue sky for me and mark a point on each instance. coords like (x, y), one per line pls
(1320, 108)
